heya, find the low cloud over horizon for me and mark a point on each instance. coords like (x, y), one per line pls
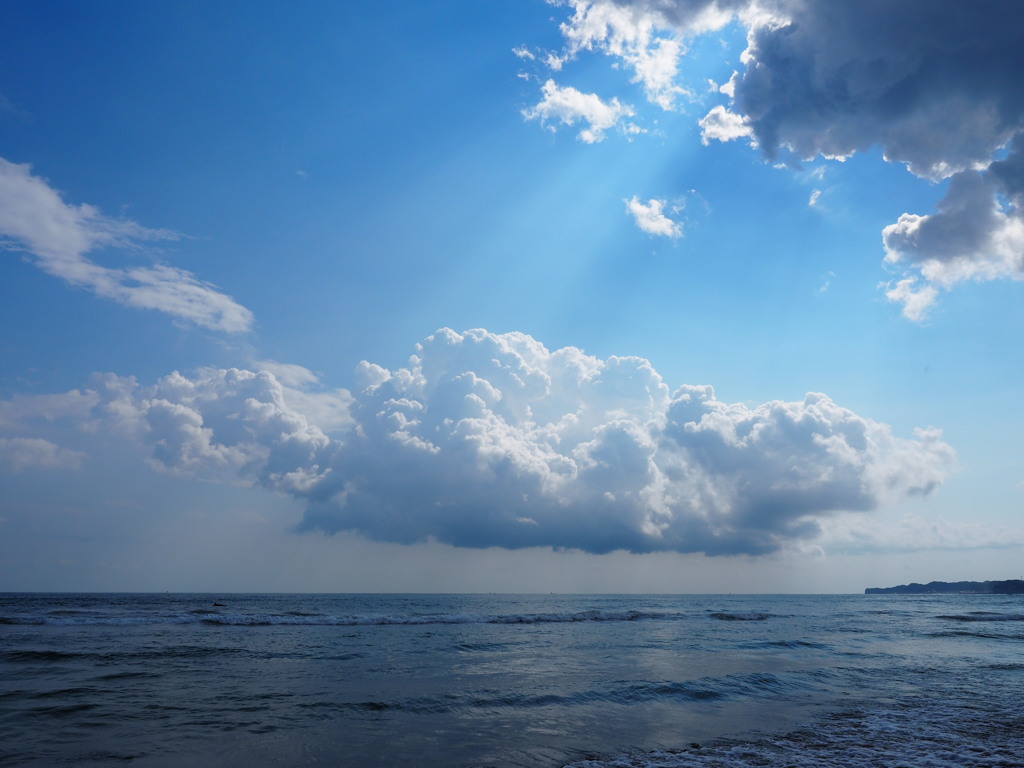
(492, 440)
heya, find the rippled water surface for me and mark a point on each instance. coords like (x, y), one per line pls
(363, 680)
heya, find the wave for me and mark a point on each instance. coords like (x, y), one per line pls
(298, 618)
(621, 693)
(220, 617)
(940, 737)
(188, 652)
(983, 616)
(293, 618)
(968, 633)
(741, 616)
(790, 644)
(87, 620)
(16, 657)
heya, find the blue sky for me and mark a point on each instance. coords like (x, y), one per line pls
(226, 228)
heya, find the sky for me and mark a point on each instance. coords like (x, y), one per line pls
(675, 296)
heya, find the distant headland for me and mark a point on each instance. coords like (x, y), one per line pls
(1010, 587)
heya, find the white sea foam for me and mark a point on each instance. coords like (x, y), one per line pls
(931, 737)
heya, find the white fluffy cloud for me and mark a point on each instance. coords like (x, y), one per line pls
(915, 296)
(569, 106)
(722, 125)
(651, 218)
(226, 424)
(934, 83)
(644, 36)
(301, 388)
(35, 220)
(493, 440)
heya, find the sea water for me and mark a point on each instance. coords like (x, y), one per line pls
(498, 680)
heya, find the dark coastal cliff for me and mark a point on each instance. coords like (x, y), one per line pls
(1010, 587)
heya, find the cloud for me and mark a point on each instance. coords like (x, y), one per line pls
(970, 237)
(650, 218)
(722, 125)
(19, 453)
(32, 411)
(569, 106)
(226, 424)
(639, 34)
(826, 282)
(493, 440)
(34, 219)
(302, 390)
(933, 83)
(913, 533)
(9, 109)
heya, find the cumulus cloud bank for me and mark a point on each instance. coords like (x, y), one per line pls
(934, 83)
(493, 440)
(34, 219)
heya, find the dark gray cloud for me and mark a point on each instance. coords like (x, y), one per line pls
(935, 84)
(971, 236)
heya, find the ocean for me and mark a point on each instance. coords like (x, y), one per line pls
(544, 681)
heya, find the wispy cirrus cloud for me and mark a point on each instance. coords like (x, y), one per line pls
(58, 236)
